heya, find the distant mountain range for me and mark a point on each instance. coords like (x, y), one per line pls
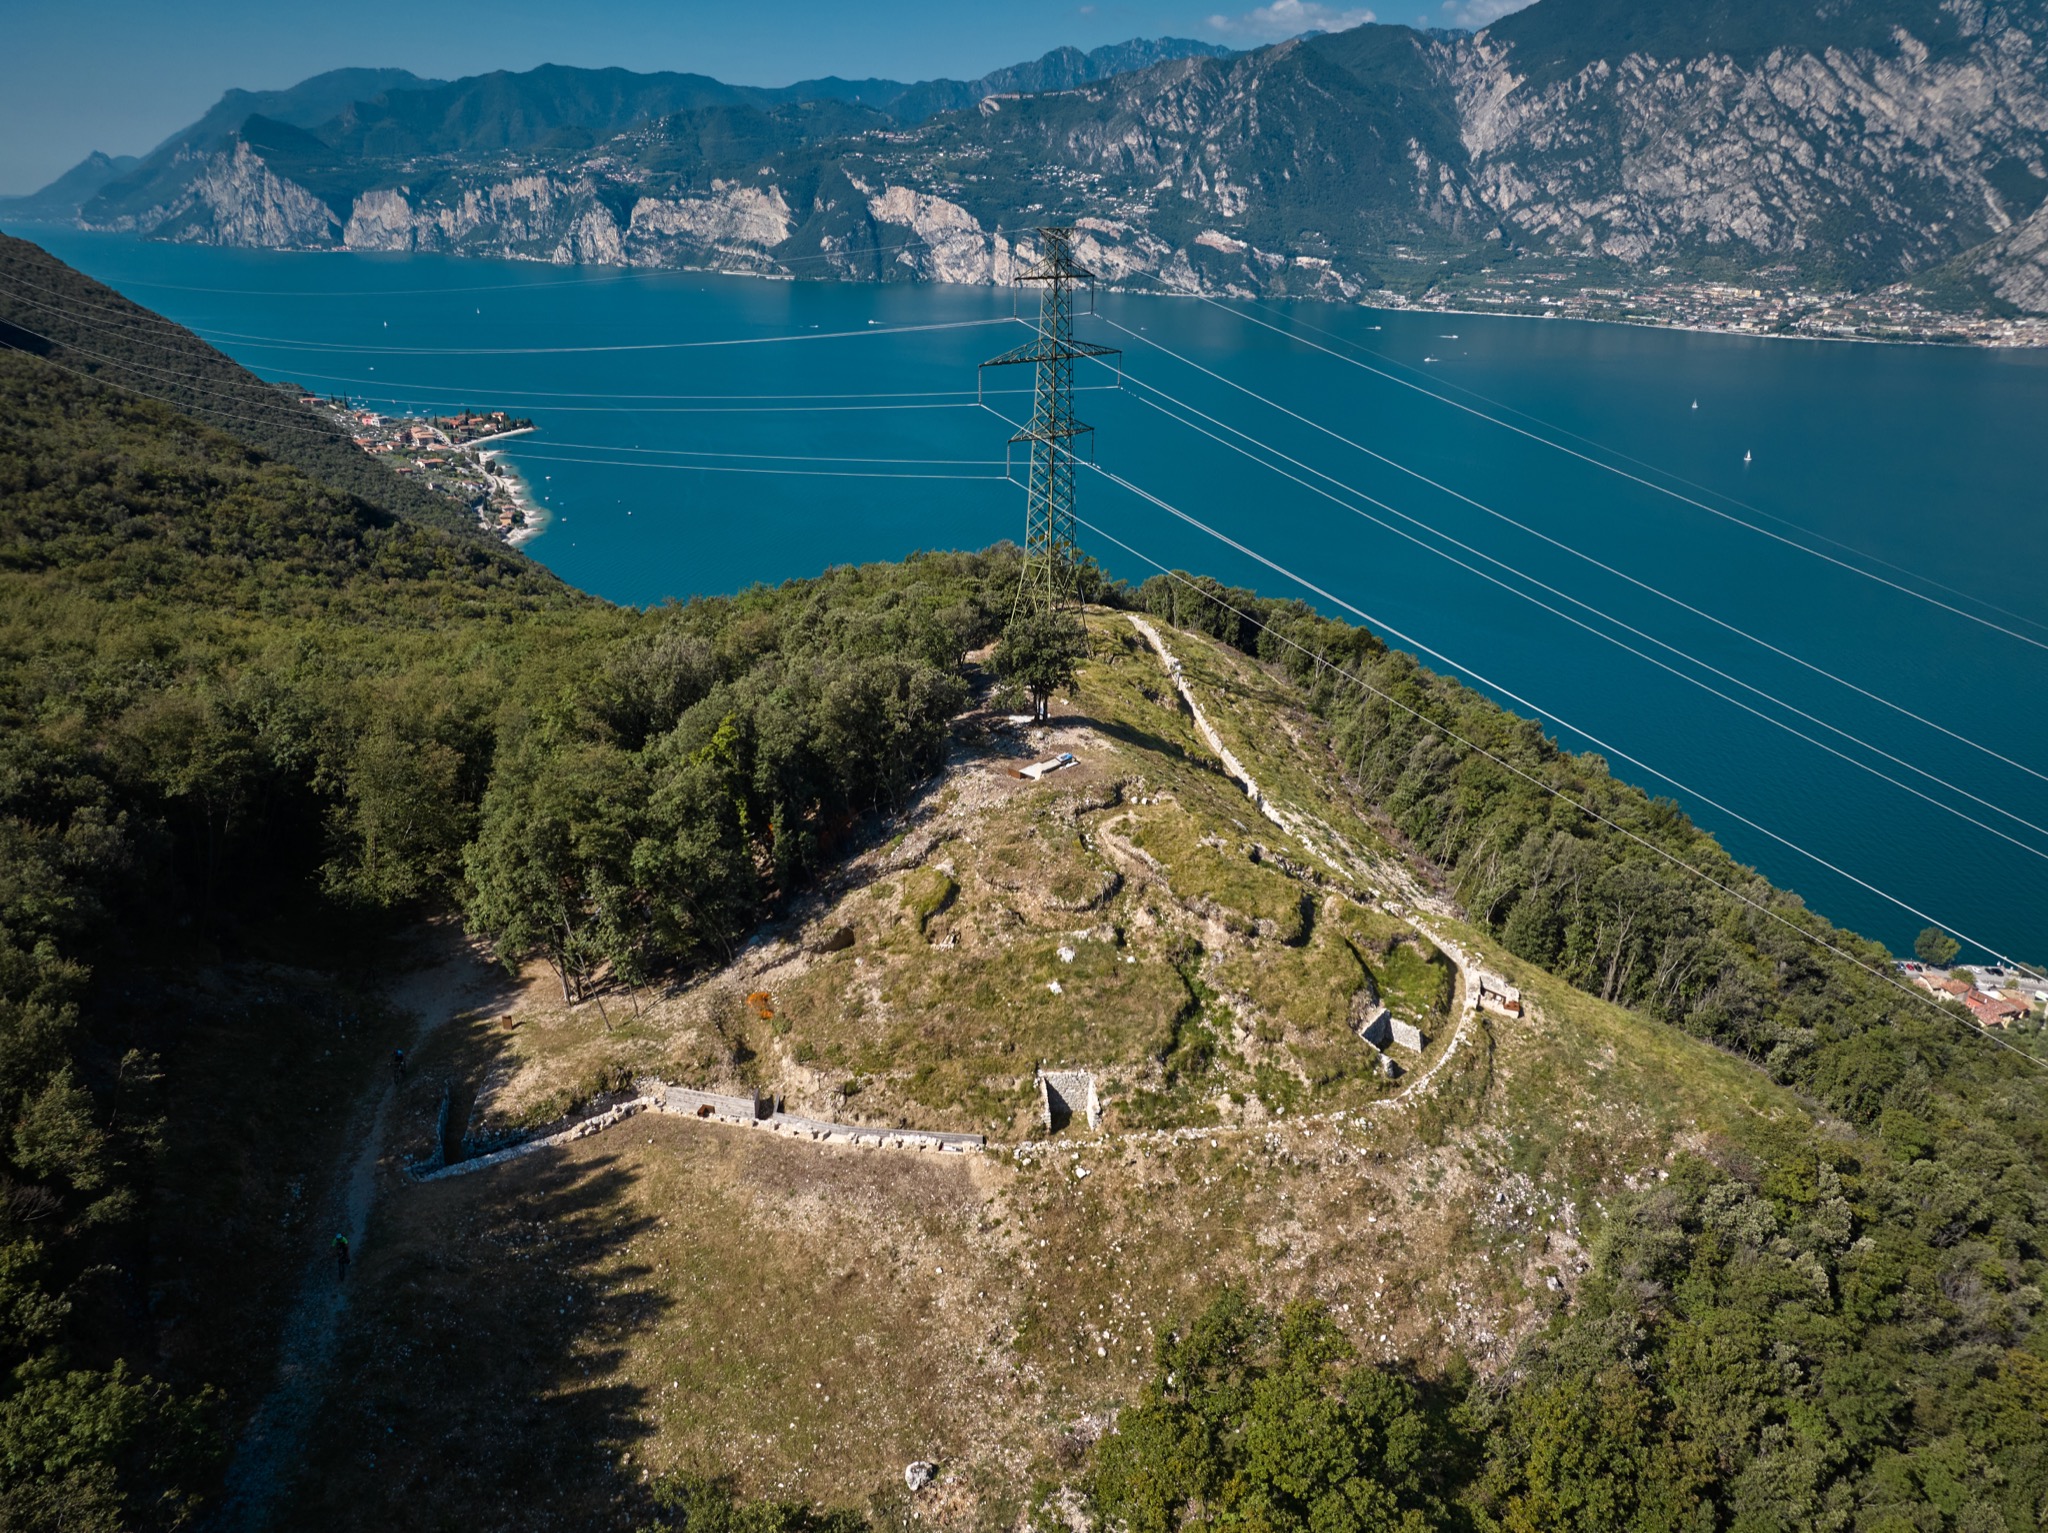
(1833, 143)
(63, 197)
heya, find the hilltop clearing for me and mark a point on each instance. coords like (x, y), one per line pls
(809, 1317)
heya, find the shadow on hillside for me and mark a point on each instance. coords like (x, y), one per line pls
(474, 1385)
(1138, 739)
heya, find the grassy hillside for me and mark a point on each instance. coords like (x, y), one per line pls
(1724, 1231)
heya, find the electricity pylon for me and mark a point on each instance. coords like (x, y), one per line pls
(1050, 555)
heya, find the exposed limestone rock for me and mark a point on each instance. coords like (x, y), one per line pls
(233, 197)
(2015, 266)
(953, 246)
(738, 222)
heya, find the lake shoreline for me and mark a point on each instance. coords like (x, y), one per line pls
(2034, 326)
(534, 518)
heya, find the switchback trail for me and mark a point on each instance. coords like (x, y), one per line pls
(454, 977)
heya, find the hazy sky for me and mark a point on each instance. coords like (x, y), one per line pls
(121, 75)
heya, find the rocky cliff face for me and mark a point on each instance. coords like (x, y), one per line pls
(2014, 267)
(1862, 159)
(1313, 167)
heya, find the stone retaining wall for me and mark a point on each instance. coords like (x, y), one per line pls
(746, 1112)
(711, 1106)
(575, 1131)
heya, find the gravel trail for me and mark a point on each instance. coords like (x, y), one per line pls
(455, 978)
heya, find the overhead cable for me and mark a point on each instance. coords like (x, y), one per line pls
(692, 452)
(276, 343)
(1296, 322)
(1638, 479)
(1519, 589)
(1563, 797)
(1599, 564)
(1487, 682)
(719, 468)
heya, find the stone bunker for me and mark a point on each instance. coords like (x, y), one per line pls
(1064, 1095)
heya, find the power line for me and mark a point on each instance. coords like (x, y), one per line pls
(184, 408)
(402, 400)
(246, 411)
(1126, 484)
(1635, 478)
(281, 413)
(292, 410)
(801, 473)
(275, 343)
(1523, 594)
(1536, 710)
(285, 413)
(1861, 553)
(135, 312)
(748, 409)
(1563, 797)
(1048, 580)
(1580, 554)
(691, 452)
(461, 391)
(179, 407)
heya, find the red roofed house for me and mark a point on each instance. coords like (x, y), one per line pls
(1993, 1012)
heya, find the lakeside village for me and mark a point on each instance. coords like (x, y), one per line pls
(447, 453)
(1994, 995)
(1766, 304)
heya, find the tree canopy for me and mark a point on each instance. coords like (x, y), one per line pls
(1937, 947)
(1039, 651)
(1263, 1420)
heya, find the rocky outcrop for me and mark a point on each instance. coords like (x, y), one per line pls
(1859, 157)
(947, 243)
(234, 197)
(736, 224)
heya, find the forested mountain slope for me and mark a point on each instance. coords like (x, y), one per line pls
(251, 722)
(1837, 145)
(51, 311)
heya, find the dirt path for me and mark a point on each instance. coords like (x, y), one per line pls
(1467, 987)
(455, 978)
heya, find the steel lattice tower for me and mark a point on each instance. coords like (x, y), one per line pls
(1050, 554)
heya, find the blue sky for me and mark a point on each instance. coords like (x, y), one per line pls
(120, 75)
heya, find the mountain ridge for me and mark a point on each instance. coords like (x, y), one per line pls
(1848, 145)
(350, 95)
(62, 198)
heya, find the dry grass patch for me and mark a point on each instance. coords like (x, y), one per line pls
(1223, 880)
(528, 1345)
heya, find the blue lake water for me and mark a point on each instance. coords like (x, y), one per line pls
(1925, 468)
